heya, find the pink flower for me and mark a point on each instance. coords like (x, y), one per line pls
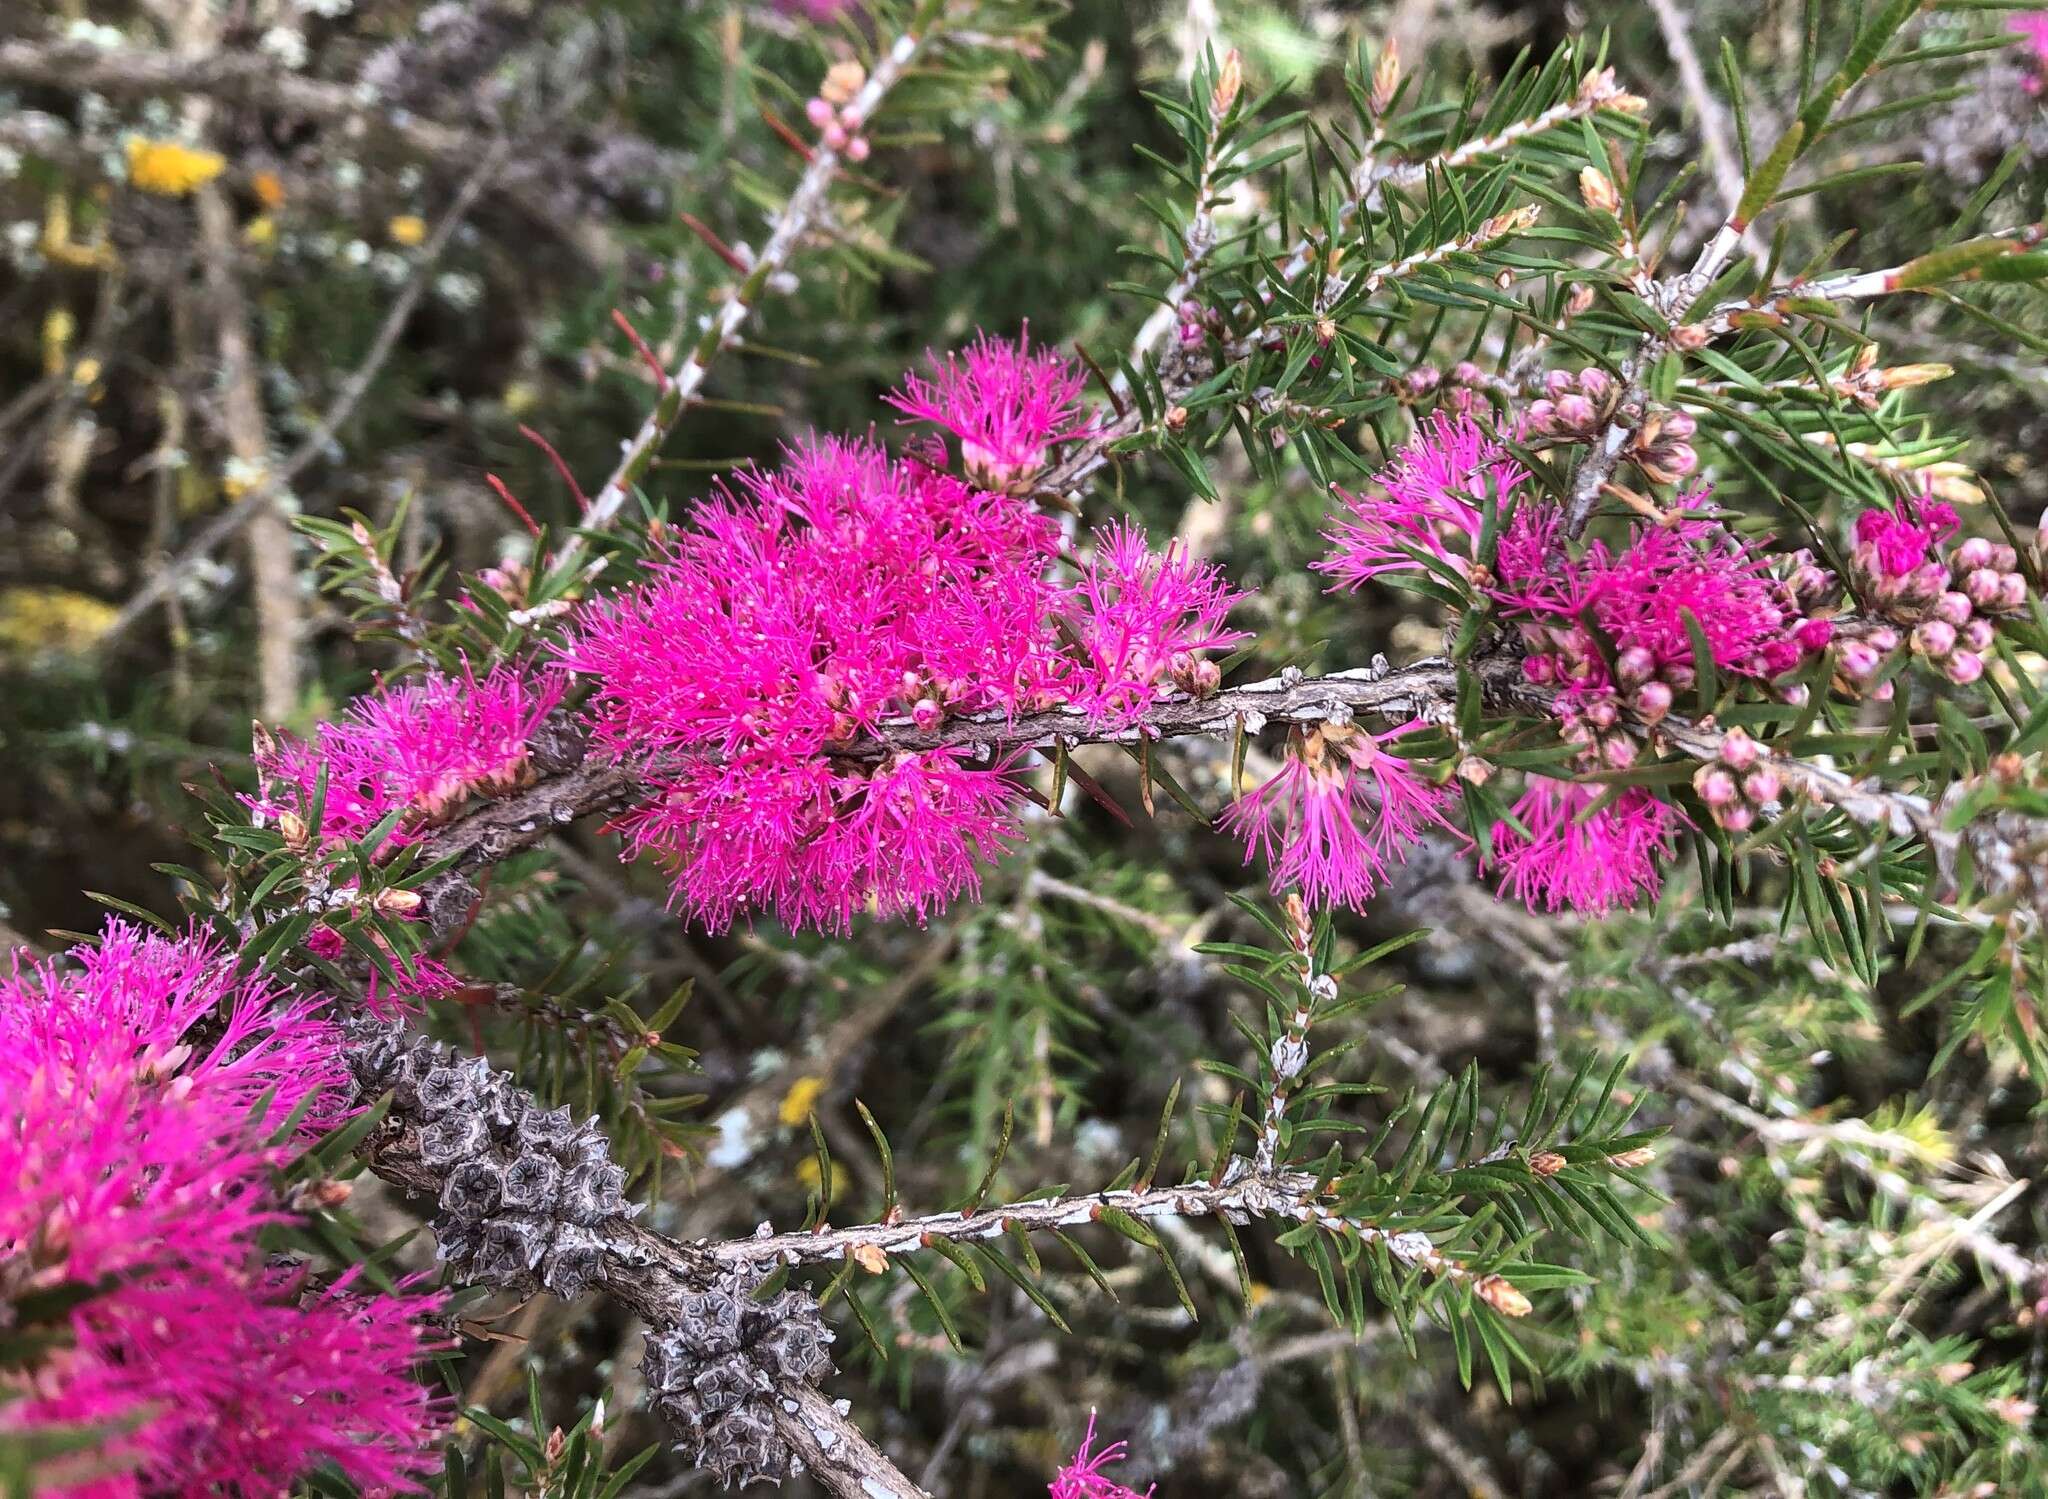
(1641, 596)
(141, 1084)
(2033, 25)
(1083, 1478)
(1893, 543)
(1436, 487)
(1006, 403)
(1337, 815)
(423, 746)
(1140, 617)
(1591, 864)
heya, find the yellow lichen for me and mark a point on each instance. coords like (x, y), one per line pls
(169, 169)
(800, 1099)
(34, 620)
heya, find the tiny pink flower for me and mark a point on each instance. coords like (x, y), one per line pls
(1338, 815)
(1083, 1478)
(1005, 402)
(1140, 616)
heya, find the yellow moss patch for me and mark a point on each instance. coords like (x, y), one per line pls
(169, 169)
(33, 620)
(802, 1096)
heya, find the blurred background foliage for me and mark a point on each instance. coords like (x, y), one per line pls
(1838, 1286)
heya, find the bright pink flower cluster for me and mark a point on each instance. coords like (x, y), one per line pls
(1339, 813)
(423, 747)
(1007, 403)
(2033, 26)
(847, 596)
(135, 1161)
(1590, 863)
(1083, 1478)
(1434, 489)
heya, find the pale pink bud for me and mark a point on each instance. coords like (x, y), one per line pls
(1635, 665)
(1736, 819)
(1574, 412)
(1595, 384)
(1976, 635)
(1927, 580)
(1934, 638)
(1679, 677)
(1465, 372)
(2004, 558)
(857, 149)
(1738, 750)
(1953, 608)
(849, 117)
(1964, 667)
(818, 112)
(1619, 751)
(1602, 714)
(1973, 554)
(927, 714)
(1883, 639)
(1542, 416)
(2012, 592)
(1762, 785)
(1680, 425)
(835, 136)
(1556, 383)
(1652, 701)
(1983, 587)
(1715, 786)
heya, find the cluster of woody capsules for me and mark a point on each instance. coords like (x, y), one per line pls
(715, 1375)
(523, 1188)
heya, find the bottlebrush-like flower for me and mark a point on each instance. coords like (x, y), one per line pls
(423, 746)
(1895, 543)
(1141, 617)
(1591, 864)
(135, 1161)
(1435, 488)
(1083, 1478)
(1342, 810)
(843, 597)
(1005, 402)
(1640, 598)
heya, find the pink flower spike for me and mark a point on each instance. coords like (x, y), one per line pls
(1337, 816)
(1435, 490)
(1006, 403)
(1083, 1478)
(1592, 864)
(1140, 617)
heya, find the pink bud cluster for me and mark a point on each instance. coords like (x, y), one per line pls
(141, 1083)
(849, 596)
(1739, 783)
(1577, 406)
(834, 111)
(1458, 389)
(1944, 601)
(1340, 812)
(1083, 1478)
(422, 748)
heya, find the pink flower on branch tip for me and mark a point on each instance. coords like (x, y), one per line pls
(143, 1083)
(1083, 1478)
(421, 747)
(1340, 813)
(1005, 402)
(1593, 863)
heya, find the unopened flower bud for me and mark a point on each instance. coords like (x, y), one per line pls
(1973, 553)
(1976, 635)
(818, 112)
(1953, 608)
(1679, 425)
(1574, 412)
(1963, 667)
(1813, 635)
(1596, 191)
(1738, 750)
(395, 902)
(293, 827)
(1736, 819)
(1595, 384)
(2012, 592)
(857, 149)
(1934, 638)
(1983, 586)
(1652, 701)
(1547, 1163)
(2003, 557)
(1542, 416)
(1619, 751)
(1762, 785)
(1386, 78)
(1635, 665)
(927, 714)
(1423, 379)
(1602, 714)
(1715, 786)
(835, 136)
(1465, 372)
(1557, 383)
